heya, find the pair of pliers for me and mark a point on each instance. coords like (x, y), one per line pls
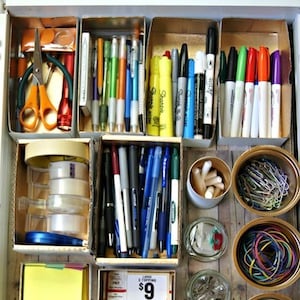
(38, 105)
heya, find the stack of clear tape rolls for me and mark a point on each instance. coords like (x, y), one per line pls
(58, 180)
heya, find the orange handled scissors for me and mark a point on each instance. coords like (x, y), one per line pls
(38, 106)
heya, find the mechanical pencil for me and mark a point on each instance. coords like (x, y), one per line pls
(100, 45)
(128, 89)
(141, 76)
(95, 101)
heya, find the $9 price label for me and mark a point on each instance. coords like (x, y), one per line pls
(148, 286)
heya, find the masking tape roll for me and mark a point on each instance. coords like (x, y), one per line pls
(41, 152)
(67, 224)
(69, 186)
(67, 204)
(68, 169)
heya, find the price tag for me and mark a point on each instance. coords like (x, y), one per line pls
(149, 286)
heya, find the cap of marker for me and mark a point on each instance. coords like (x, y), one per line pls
(275, 67)
(232, 60)
(241, 64)
(211, 40)
(251, 65)
(263, 64)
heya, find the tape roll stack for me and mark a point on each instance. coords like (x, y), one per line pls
(68, 185)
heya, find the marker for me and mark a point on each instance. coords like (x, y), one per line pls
(222, 80)
(119, 210)
(263, 67)
(229, 91)
(255, 112)
(106, 85)
(165, 86)
(120, 105)
(276, 93)
(153, 105)
(124, 176)
(151, 206)
(200, 66)
(134, 104)
(211, 49)
(181, 90)
(188, 129)
(95, 101)
(239, 93)
(113, 84)
(100, 45)
(249, 91)
(141, 77)
(175, 64)
(128, 96)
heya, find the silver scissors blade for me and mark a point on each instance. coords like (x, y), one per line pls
(37, 58)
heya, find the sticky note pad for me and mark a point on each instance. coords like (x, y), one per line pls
(55, 281)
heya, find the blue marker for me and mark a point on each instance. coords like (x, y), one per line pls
(188, 130)
(151, 207)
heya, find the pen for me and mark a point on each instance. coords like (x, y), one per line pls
(239, 93)
(181, 90)
(165, 91)
(229, 90)
(211, 49)
(134, 104)
(263, 67)
(134, 196)
(95, 102)
(109, 200)
(276, 93)
(222, 80)
(128, 89)
(175, 63)
(174, 200)
(153, 105)
(119, 211)
(249, 91)
(100, 57)
(141, 88)
(106, 86)
(151, 203)
(124, 176)
(102, 222)
(200, 66)
(188, 129)
(113, 84)
(120, 105)
(162, 218)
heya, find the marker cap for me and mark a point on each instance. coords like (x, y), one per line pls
(154, 69)
(275, 67)
(183, 61)
(191, 68)
(211, 40)
(251, 65)
(223, 71)
(232, 60)
(241, 64)
(263, 64)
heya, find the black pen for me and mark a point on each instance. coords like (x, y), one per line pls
(211, 50)
(109, 200)
(102, 228)
(134, 186)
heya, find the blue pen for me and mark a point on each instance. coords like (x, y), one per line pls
(128, 95)
(162, 217)
(188, 130)
(147, 191)
(151, 205)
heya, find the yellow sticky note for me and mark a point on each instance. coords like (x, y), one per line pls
(59, 282)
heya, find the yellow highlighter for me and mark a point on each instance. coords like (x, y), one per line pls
(153, 103)
(166, 106)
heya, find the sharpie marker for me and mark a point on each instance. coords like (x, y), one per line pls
(222, 80)
(211, 49)
(263, 66)
(181, 90)
(249, 91)
(276, 93)
(239, 93)
(229, 91)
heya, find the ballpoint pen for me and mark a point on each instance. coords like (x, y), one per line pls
(151, 205)
(153, 102)
(119, 211)
(188, 129)
(141, 87)
(263, 69)
(235, 129)
(128, 96)
(120, 105)
(124, 176)
(100, 58)
(276, 93)
(162, 217)
(141, 172)
(106, 86)
(222, 80)
(109, 199)
(134, 105)
(174, 200)
(113, 84)
(175, 63)
(95, 100)
(249, 91)
(229, 90)
(165, 90)
(134, 195)
(211, 50)
(181, 90)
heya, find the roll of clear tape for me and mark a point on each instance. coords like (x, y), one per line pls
(69, 186)
(68, 169)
